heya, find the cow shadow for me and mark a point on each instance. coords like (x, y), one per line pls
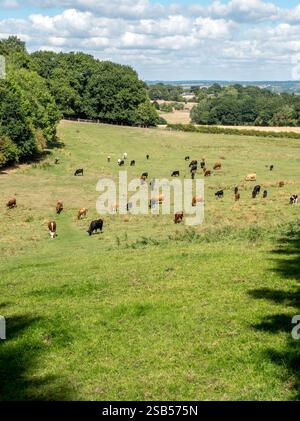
(286, 258)
(18, 358)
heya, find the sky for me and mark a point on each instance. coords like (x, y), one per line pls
(242, 40)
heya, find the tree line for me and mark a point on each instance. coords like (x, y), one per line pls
(237, 105)
(166, 92)
(42, 87)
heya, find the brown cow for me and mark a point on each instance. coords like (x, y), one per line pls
(52, 229)
(82, 213)
(207, 173)
(178, 217)
(218, 166)
(281, 183)
(237, 197)
(12, 203)
(59, 207)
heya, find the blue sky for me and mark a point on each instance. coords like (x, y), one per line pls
(167, 39)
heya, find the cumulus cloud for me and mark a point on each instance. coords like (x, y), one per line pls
(219, 40)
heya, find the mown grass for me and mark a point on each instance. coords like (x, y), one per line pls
(150, 310)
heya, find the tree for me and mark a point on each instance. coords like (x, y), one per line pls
(147, 115)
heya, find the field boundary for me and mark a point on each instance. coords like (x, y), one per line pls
(231, 131)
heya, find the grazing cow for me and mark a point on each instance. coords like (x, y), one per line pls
(294, 199)
(207, 173)
(12, 203)
(121, 162)
(187, 158)
(114, 208)
(108, 158)
(281, 184)
(257, 189)
(82, 213)
(175, 174)
(59, 207)
(147, 157)
(196, 199)
(271, 167)
(52, 229)
(95, 226)
(193, 163)
(156, 200)
(237, 197)
(219, 194)
(202, 164)
(217, 166)
(194, 168)
(178, 217)
(125, 155)
(236, 190)
(145, 174)
(250, 177)
(79, 172)
(265, 194)
(132, 163)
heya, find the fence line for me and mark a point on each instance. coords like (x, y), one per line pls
(99, 121)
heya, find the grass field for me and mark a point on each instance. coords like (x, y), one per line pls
(151, 310)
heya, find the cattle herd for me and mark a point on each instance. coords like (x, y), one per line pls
(97, 225)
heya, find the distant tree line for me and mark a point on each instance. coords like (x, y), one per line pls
(251, 105)
(42, 87)
(165, 92)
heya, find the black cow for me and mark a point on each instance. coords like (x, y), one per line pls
(219, 194)
(256, 191)
(194, 168)
(145, 174)
(202, 163)
(147, 156)
(271, 167)
(132, 163)
(187, 158)
(193, 163)
(95, 226)
(121, 162)
(79, 171)
(236, 190)
(294, 199)
(265, 194)
(193, 174)
(175, 174)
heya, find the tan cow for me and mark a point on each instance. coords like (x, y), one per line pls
(82, 213)
(250, 177)
(196, 199)
(217, 166)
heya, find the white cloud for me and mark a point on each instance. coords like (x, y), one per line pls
(203, 41)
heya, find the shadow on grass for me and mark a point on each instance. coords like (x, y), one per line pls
(287, 263)
(18, 359)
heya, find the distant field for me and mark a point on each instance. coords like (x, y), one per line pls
(183, 117)
(151, 310)
(177, 117)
